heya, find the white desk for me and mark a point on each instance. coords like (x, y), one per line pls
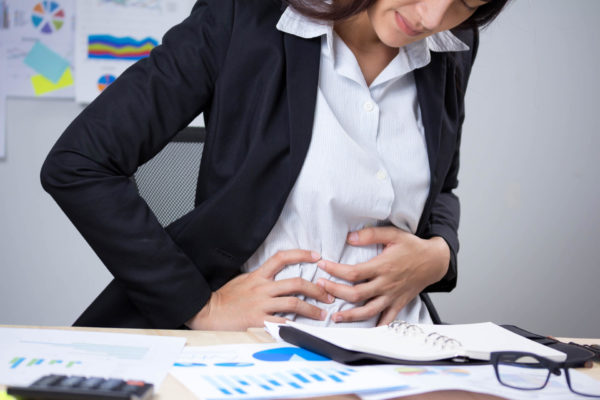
(172, 389)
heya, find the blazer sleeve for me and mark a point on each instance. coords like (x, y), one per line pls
(88, 170)
(445, 212)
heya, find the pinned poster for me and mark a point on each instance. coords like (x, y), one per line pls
(43, 85)
(46, 62)
(2, 125)
(39, 43)
(111, 35)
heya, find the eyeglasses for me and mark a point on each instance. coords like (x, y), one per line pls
(528, 371)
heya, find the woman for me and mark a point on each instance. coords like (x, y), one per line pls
(325, 186)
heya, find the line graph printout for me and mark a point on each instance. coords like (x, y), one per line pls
(27, 354)
(111, 35)
(273, 371)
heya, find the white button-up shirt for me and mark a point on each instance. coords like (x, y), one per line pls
(367, 163)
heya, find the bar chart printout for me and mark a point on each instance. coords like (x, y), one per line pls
(27, 354)
(273, 371)
(30, 362)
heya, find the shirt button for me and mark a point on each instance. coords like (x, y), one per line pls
(368, 106)
(381, 175)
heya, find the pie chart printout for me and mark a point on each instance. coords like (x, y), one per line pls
(48, 17)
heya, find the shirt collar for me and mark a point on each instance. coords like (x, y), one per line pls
(294, 23)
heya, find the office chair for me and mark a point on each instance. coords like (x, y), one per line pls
(168, 184)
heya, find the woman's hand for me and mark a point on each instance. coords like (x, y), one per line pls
(389, 281)
(251, 298)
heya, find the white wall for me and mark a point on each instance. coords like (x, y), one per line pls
(530, 227)
(49, 273)
(529, 187)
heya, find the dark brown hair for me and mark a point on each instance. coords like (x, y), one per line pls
(336, 11)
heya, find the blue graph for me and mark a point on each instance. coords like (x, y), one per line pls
(25, 362)
(189, 364)
(220, 364)
(234, 364)
(287, 354)
(277, 382)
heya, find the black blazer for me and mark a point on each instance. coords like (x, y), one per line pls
(257, 88)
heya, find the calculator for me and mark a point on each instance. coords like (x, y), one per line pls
(80, 387)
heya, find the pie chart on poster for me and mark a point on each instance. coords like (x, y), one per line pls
(104, 81)
(48, 16)
(288, 354)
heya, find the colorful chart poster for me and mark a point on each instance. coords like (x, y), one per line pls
(39, 47)
(113, 34)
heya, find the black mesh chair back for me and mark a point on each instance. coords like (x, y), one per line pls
(168, 181)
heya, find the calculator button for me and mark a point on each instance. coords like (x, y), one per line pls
(80, 387)
(130, 389)
(48, 380)
(91, 383)
(111, 384)
(71, 381)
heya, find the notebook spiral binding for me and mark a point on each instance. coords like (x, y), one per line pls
(433, 339)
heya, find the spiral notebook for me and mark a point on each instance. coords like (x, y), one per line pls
(412, 343)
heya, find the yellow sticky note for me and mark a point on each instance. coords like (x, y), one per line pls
(4, 396)
(42, 85)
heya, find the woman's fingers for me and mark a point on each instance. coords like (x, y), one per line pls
(300, 286)
(362, 313)
(350, 273)
(353, 294)
(275, 319)
(279, 260)
(389, 315)
(295, 305)
(375, 235)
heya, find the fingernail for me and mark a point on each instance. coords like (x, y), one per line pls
(337, 318)
(330, 298)
(321, 282)
(321, 264)
(323, 315)
(315, 255)
(353, 237)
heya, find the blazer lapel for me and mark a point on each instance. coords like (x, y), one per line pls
(302, 57)
(431, 84)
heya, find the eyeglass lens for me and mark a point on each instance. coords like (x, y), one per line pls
(528, 373)
(583, 384)
(522, 372)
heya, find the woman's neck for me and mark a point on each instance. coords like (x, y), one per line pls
(370, 52)
(358, 33)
